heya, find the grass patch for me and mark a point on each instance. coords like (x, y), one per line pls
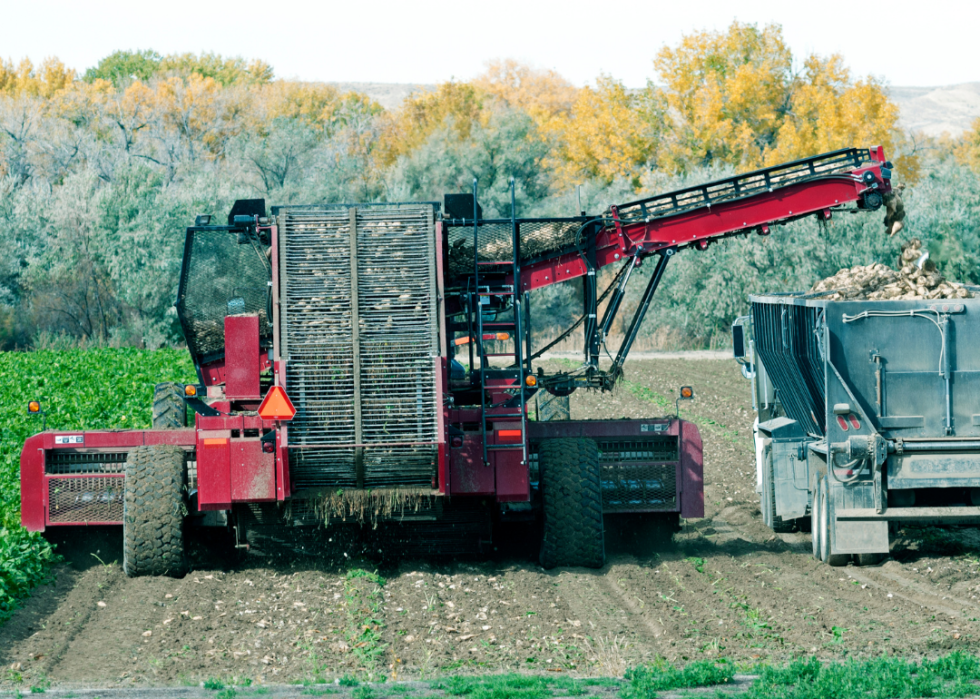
(955, 675)
(71, 387)
(511, 686)
(363, 601)
(646, 681)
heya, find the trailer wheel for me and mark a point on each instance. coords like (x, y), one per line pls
(571, 493)
(769, 498)
(815, 530)
(169, 408)
(832, 559)
(153, 512)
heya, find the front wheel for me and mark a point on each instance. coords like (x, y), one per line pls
(169, 407)
(571, 493)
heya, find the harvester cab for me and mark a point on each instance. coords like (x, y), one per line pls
(402, 337)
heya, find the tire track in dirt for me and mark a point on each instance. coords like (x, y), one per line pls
(895, 610)
(915, 592)
(79, 625)
(611, 585)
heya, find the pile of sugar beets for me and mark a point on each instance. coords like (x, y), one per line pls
(916, 278)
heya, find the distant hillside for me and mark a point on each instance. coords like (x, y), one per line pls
(935, 110)
(932, 110)
(388, 95)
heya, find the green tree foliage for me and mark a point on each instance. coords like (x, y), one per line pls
(123, 67)
(98, 176)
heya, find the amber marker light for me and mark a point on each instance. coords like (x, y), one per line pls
(34, 407)
(687, 392)
(190, 390)
(531, 381)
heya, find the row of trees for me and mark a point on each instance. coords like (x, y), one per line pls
(100, 172)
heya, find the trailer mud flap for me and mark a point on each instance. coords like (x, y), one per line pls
(859, 537)
(855, 536)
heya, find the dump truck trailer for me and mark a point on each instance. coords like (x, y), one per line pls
(374, 363)
(868, 413)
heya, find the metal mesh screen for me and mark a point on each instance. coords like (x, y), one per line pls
(66, 462)
(496, 241)
(360, 373)
(78, 500)
(221, 276)
(639, 476)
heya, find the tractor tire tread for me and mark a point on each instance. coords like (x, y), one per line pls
(153, 512)
(572, 503)
(169, 408)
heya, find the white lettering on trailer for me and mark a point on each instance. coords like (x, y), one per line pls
(70, 439)
(658, 427)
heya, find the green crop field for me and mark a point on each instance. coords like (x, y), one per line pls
(79, 389)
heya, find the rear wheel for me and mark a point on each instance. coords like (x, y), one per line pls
(169, 408)
(571, 496)
(769, 497)
(833, 559)
(154, 511)
(815, 530)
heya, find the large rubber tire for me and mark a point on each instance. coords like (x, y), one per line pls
(571, 493)
(815, 530)
(169, 408)
(769, 498)
(831, 559)
(154, 511)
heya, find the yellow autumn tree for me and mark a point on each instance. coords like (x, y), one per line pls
(728, 94)
(610, 133)
(543, 94)
(44, 80)
(735, 99)
(460, 104)
(967, 147)
(599, 132)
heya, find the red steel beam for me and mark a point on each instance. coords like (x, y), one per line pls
(781, 205)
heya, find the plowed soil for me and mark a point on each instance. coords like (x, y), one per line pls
(725, 587)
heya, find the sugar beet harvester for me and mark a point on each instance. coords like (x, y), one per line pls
(356, 319)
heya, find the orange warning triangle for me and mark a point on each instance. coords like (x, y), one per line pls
(276, 405)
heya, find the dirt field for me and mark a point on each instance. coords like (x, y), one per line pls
(725, 588)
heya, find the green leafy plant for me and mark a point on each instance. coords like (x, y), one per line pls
(954, 675)
(78, 389)
(646, 681)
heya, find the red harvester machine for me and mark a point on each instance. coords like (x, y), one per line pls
(374, 362)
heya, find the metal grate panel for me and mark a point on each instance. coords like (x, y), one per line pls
(360, 356)
(639, 475)
(57, 461)
(80, 500)
(496, 242)
(224, 273)
(787, 339)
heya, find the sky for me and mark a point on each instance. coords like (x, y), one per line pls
(430, 41)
